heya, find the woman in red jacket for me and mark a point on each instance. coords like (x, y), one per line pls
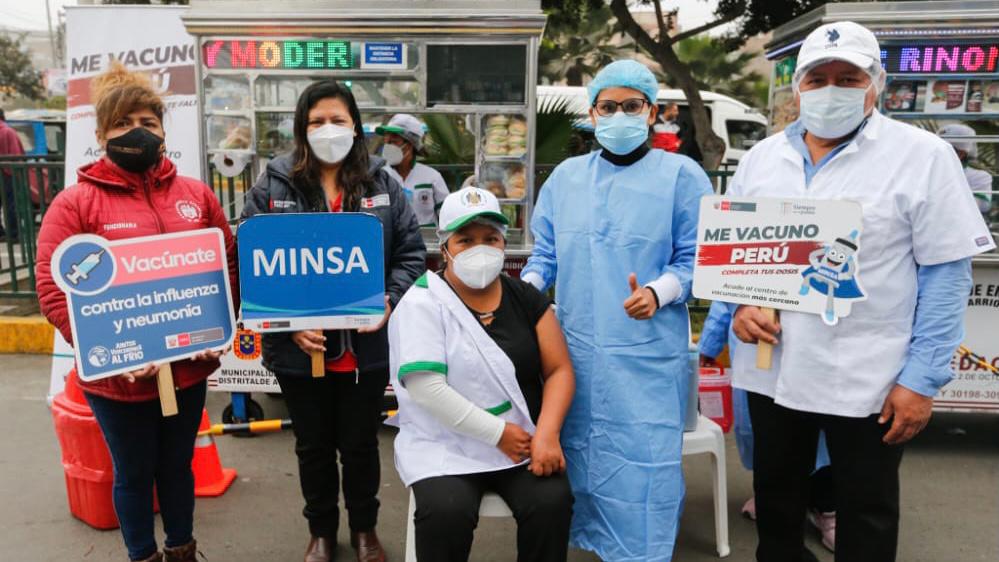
(134, 190)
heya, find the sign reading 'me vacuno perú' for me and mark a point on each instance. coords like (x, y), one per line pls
(788, 254)
(153, 299)
(303, 271)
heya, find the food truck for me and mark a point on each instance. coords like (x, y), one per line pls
(942, 62)
(467, 68)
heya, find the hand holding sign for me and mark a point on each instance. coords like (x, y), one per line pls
(139, 303)
(641, 305)
(799, 255)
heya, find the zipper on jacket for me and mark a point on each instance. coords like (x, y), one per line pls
(149, 199)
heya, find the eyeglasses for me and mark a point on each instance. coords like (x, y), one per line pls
(633, 106)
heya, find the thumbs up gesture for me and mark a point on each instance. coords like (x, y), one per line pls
(642, 304)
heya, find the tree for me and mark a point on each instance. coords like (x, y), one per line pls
(17, 74)
(718, 70)
(578, 41)
(755, 16)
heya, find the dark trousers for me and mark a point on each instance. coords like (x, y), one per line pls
(447, 512)
(337, 413)
(9, 207)
(864, 472)
(146, 448)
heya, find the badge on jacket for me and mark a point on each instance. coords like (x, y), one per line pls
(380, 200)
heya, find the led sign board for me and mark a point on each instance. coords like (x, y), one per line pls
(308, 54)
(966, 58)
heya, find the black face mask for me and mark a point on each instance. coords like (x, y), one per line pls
(136, 150)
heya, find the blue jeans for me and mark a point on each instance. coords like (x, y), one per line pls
(147, 448)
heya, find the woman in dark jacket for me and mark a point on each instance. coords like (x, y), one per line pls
(330, 171)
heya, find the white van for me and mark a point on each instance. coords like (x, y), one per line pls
(738, 124)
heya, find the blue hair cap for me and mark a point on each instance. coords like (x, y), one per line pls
(624, 74)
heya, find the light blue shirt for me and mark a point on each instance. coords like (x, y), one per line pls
(796, 136)
(942, 290)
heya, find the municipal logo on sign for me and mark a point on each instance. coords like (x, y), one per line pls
(247, 345)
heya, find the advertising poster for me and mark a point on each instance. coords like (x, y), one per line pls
(788, 254)
(153, 299)
(312, 270)
(151, 39)
(975, 387)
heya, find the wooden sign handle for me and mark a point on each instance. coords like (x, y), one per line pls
(318, 364)
(168, 398)
(765, 350)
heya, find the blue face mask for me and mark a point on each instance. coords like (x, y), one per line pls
(622, 133)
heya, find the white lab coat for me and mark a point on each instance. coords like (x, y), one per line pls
(432, 330)
(426, 190)
(918, 210)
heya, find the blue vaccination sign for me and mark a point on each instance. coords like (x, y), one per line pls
(153, 299)
(307, 271)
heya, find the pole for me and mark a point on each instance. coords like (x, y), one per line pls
(168, 399)
(765, 350)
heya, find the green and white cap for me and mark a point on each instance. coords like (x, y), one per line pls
(406, 126)
(468, 205)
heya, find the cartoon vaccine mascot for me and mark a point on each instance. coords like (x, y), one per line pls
(833, 273)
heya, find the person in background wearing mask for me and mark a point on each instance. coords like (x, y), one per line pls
(484, 381)
(717, 332)
(330, 171)
(10, 145)
(424, 186)
(868, 381)
(615, 231)
(980, 181)
(666, 131)
(133, 191)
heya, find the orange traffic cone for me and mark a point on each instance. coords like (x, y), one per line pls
(210, 479)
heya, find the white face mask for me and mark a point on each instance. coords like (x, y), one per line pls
(833, 112)
(331, 143)
(392, 154)
(479, 266)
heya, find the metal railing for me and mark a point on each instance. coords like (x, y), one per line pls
(34, 183)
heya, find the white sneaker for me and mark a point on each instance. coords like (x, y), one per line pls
(749, 509)
(825, 523)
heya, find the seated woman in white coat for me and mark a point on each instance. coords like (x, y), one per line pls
(484, 381)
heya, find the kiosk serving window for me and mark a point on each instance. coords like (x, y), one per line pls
(460, 74)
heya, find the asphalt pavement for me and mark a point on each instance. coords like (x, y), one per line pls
(950, 494)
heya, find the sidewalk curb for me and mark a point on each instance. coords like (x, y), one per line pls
(25, 334)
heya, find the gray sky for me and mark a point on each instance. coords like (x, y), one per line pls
(30, 14)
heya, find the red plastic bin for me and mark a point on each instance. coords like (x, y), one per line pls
(85, 458)
(715, 396)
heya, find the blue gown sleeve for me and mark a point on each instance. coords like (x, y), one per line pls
(692, 184)
(542, 266)
(938, 327)
(714, 335)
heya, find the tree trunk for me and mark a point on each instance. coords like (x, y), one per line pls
(712, 146)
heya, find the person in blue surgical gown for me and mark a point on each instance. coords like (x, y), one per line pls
(615, 231)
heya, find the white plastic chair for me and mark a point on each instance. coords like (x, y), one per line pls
(709, 438)
(492, 506)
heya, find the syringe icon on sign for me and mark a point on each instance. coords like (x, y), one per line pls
(82, 270)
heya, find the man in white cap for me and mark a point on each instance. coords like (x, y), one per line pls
(961, 137)
(424, 186)
(868, 381)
